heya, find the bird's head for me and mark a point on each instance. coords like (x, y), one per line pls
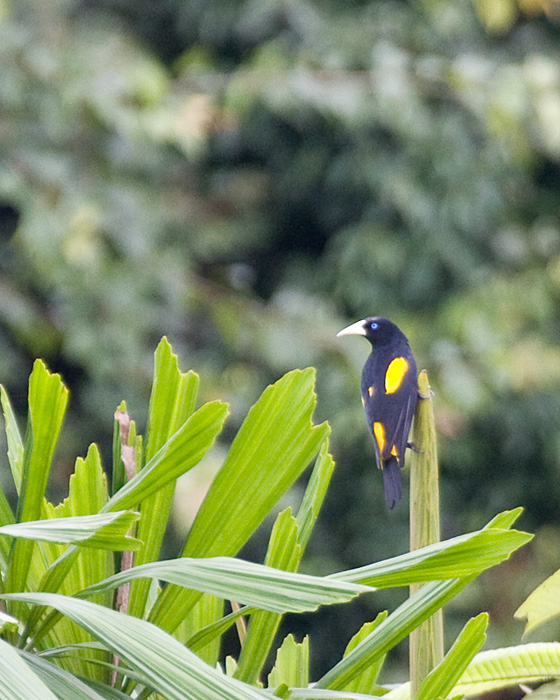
(376, 329)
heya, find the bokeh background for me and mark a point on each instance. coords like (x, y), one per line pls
(247, 177)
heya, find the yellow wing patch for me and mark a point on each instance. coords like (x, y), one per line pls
(396, 372)
(370, 390)
(379, 432)
(394, 451)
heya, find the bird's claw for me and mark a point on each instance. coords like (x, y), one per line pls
(414, 448)
(425, 396)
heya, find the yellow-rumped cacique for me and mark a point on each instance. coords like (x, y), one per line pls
(389, 396)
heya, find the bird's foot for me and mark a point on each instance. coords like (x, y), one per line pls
(413, 447)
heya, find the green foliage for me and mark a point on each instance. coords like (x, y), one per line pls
(17, 682)
(499, 668)
(172, 402)
(442, 679)
(543, 604)
(246, 177)
(102, 531)
(284, 552)
(365, 682)
(47, 405)
(67, 635)
(247, 583)
(292, 664)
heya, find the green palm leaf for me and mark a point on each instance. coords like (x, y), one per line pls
(542, 605)
(165, 664)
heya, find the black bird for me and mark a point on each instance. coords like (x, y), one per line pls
(389, 395)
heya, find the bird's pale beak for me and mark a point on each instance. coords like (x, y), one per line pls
(355, 329)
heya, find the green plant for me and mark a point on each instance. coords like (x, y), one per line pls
(61, 634)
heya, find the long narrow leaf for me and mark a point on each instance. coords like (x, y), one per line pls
(276, 442)
(208, 610)
(314, 495)
(15, 458)
(248, 583)
(87, 494)
(505, 519)
(17, 680)
(165, 664)
(441, 680)
(283, 552)
(322, 694)
(172, 402)
(460, 556)
(101, 531)
(65, 685)
(404, 619)
(180, 453)
(499, 668)
(391, 631)
(272, 448)
(6, 518)
(13, 438)
(542, 605)
(365, 681)
(48, 398)
(292, 664)
(215, 630)
(288, 540)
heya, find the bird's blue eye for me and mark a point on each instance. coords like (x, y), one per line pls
(374, 325)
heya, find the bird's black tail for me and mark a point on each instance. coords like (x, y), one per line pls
(392, 482)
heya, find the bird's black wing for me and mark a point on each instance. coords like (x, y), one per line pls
(389, 395)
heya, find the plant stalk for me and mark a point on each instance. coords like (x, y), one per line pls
(426, 642)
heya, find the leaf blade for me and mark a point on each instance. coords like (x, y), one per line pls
(246, 582)
(17, 680)
(459, 556)
(391, 631)
(365, 681)
(542, 604)
(277, 432)
(14, 440)
(181, 452)
(65, 685)
(166, 665)
(48, 399)
(283, 552)
(172, 402)
(100, 531)
(499, 668)
(272, 448)
(292, 664)
(440, 681)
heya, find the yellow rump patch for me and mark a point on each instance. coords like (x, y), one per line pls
(379, 432)
(396, 372)
(370, 390)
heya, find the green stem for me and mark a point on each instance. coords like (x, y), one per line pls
(426, 642)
